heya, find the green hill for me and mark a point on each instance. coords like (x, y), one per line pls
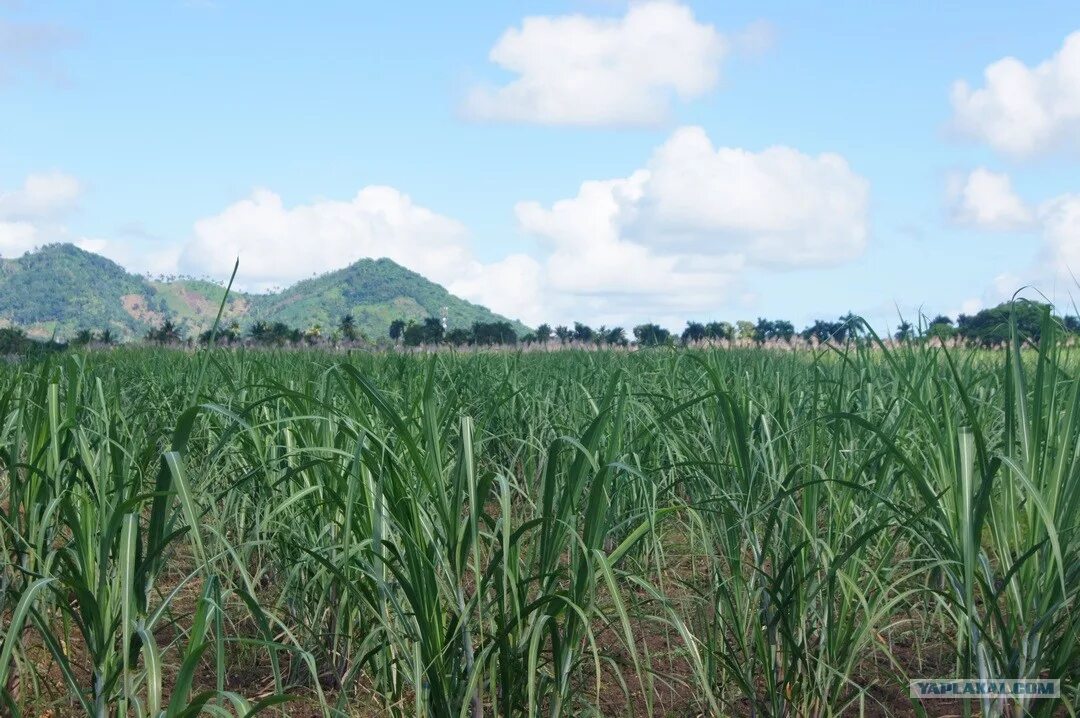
(193, 303)
(375, 292)
(61, 289)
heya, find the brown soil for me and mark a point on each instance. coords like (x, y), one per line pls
(135, 305)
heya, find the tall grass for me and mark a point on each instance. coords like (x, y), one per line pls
(721, 532)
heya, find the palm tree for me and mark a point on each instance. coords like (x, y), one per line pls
(259, 331)
(433, 330)
(348, 327)
(167, 333)
(694, 332)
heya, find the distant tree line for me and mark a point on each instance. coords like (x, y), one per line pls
(15, 343)
(432, 331)
(988, 327)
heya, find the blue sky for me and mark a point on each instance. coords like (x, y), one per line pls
(747, 159)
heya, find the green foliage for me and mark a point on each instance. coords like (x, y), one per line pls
(719, 331)
(429, 332)
(651, 335)
(348, 328)
(773, 330)
(583, 332)
(274, 334)
(992, 326)
(824, 331)
(167, 333)
(458, 337)
(374, 292)
(224, 336)
(14, 342)
(63, 288)
(940, 327)
(615, 336)
(698, 532)
(694, 332)
(397, 329)
(490, 333)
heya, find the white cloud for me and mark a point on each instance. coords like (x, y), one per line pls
(32, 214)
(671, 238)
(512, 287)
(579, 70)
(591, 265)
(1060, 218)
(1057, 224)
(44, 195)
(675, 235)
(986, 200)
(1024, 110)
(778, 207)
(16, 238)
(278, 245)
(137, 255)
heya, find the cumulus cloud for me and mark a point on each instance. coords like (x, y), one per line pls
(579, 70)
(1060, 218)
(1023, 110)
(778, 207)
(986, 200)
(669, 239)
(278, 245)
(591, 264)
(32, 214)
(35, 214)
(42, 196)
(17, 237)
(676, 234)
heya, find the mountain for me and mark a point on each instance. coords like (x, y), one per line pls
(375, 292)
(60, 289)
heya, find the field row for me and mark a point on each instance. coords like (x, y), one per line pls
(663, 532)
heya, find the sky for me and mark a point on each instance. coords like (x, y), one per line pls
(591, 160)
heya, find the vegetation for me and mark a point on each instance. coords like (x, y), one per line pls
(60, 290)
(374, 292)
(704, 531)
(15, 343)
